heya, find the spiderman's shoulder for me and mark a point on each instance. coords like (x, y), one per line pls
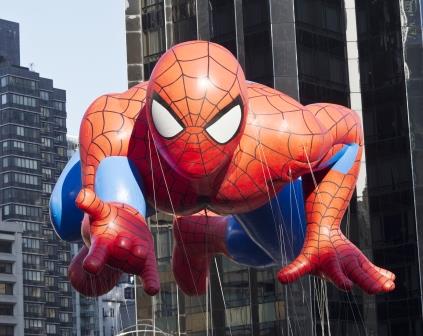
(127, 104)
(266, 100)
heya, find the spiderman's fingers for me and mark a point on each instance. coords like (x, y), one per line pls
(97, 256)
(88, 201)
(150, 275)
(295, 270)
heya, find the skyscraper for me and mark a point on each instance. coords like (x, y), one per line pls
(391, 53)
(363, 54)
(33, 153)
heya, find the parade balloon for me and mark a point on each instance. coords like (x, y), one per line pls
(245, 170)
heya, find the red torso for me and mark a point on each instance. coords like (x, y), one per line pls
(270, 151)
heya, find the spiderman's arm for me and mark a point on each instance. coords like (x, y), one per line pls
(115, 230)
(327, 192)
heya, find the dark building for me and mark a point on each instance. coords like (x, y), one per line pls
(391, 67)
(364, 54)
(33, 153)
(9, 37)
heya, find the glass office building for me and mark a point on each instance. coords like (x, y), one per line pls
(32, 155)
(362, 54)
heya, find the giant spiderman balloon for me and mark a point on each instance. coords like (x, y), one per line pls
(246, 171)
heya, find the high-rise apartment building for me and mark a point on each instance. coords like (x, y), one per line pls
(363, 54)
(32, 155)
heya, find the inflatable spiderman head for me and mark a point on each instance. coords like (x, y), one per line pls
(197, 107)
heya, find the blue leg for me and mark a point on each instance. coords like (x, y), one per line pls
(272, 234)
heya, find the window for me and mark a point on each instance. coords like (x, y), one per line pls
(47, 157)
(64, 317)
(26, 179)
(33, 276)
(6, 309)
(44, 95)
(3, 81)
(51, 312)
(26, 163)
(5, 267)
(50, 297)
(61, 138)
(34, 227)
(6, 178)
(51, 328)
(64, 256)
(33, 324)
(20, 131)
(6, 212)
(64, 286)
(6, 288)
(50, 250)
(49, 281)
(47, 188)
(47, 173)
(64, 332)
(31, 259)
(19, 144)
(59, 105)
(129, 293)
(5, 246)
(33, 308)
(4, 99)
(49, 265)
(46, 142)
(34, 292)
(7, 330)
(60, 122)
(24, 100)
(22, 83)
(23, 210)
(63, 271)
(45, 112)
(31, 243)
(61, 151)
(64, 302)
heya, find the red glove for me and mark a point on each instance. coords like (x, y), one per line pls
(119, 237)
(330, 255)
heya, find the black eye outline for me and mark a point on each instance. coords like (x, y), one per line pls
(156, 97)
(237, 101)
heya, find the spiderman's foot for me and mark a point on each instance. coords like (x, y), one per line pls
(197, 239)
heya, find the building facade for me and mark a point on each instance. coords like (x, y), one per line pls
(33, 153)
(363, 54)
(11, 282)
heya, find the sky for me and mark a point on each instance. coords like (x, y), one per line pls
(80, 44)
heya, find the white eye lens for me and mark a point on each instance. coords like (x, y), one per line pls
(165, 123)
(223, 129)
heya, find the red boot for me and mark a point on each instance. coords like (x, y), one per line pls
(197, 239)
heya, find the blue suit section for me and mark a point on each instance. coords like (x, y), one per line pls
(117, 180)
(64, 214)
(272, 234)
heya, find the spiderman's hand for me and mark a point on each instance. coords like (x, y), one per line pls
(330, 255)
(119, 237)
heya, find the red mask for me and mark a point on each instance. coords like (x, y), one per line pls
(197, 107)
